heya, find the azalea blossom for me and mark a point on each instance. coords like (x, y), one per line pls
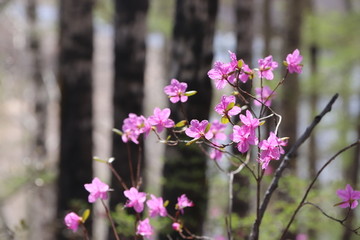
(176, 226)
(176, 91)
(97, 190)
(221, 74)
(264, 94)
(136, 199)
(160, 119)
(293, 62)
(249, 122)
(244, 137)
(144, 228)
(156, 206)
(245, 73)
(216, 154)
(271, 149)
(218, 129)
(226, 107)
(183, 202)
(266, 66)
(72, 221)
(349, 196)
(133, 126)
(199, 129)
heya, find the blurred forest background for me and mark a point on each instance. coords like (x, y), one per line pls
(70, 71)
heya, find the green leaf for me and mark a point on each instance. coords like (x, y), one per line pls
(230, 106)
(99, 159)
(208, 127)
(285, 63)
(192, 141)
(224, 120)
(181, 124)
(190, 93)
(166, 203)
(240, 63)
(117, 131)
(85, 215)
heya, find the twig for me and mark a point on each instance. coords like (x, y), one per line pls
(111, 220)
(312, 184)
(284, 162)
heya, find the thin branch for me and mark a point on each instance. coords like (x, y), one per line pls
(284, 162)
(312, 184)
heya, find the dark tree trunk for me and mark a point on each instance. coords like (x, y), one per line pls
(75, 80)
(130, 50)
(244, 39)
(42, 196)
(291, 91)
(192, 55)
(267, 26)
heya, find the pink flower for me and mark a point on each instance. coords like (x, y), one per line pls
(216, 154)
(136, 199)
(270, 149)
(246, 73)
(156, 206)
(250, 122)
(301, 236)
(267, 65)
(72, 221)
(218, 129)
(176, 91)
(160, 119)
(144, 228)
(349, 197)
(177, 227)
(293, 62)
(226, 107)
(220, 74)
(244, 137)
(183, 202)
(199, 129)
(97, 190)
(133, 126)
(262, 95)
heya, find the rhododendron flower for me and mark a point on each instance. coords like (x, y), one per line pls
(144, 228)
(270, 149)
(183, 202)
(262, 94)
(246, 73)
(218, 129)
(97, 189)
(301, 236)
(216, 154)
(72, 221)
(226, 108)
(176, 91)
(266, 66)
(249, 122)
(156, 206)
(136, 199)
(133, 126)
(199, 129)
(177, 227)
(349, 197)
(244, 137)
(160, 119)
(221, 74)
(293, 62)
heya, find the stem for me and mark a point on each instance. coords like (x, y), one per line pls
(110, 219)
(312, 183)
(138, 177)
(86, 234)
(130, 165)
(117, 176)
(254, 235)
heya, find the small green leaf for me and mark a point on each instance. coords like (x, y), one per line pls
(261, 123)
(191, 142)
(190, 93)
(99, 159)
(181, 124)
(208, 127)
(117, 131)
(166, 203)
(285, 63)
(224, 120)
(230, 106)
(240, 63)
(85, 215)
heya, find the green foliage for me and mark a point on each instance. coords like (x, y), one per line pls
(125, 222)
(160, 17)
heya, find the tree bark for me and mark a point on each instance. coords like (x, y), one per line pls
(75, 80)
(128, 93)
(192, 54)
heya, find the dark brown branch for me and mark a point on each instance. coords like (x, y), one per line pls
(284, 163)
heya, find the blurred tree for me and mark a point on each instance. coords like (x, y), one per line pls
(290, 93)
(40, 195)
(192, 54)
(128, 93)
(75, 81)
(244, 13)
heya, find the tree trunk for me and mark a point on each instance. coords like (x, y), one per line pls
(291, 91)
(75, 80)
(244, 39)
(185, 166)
(128, 94)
